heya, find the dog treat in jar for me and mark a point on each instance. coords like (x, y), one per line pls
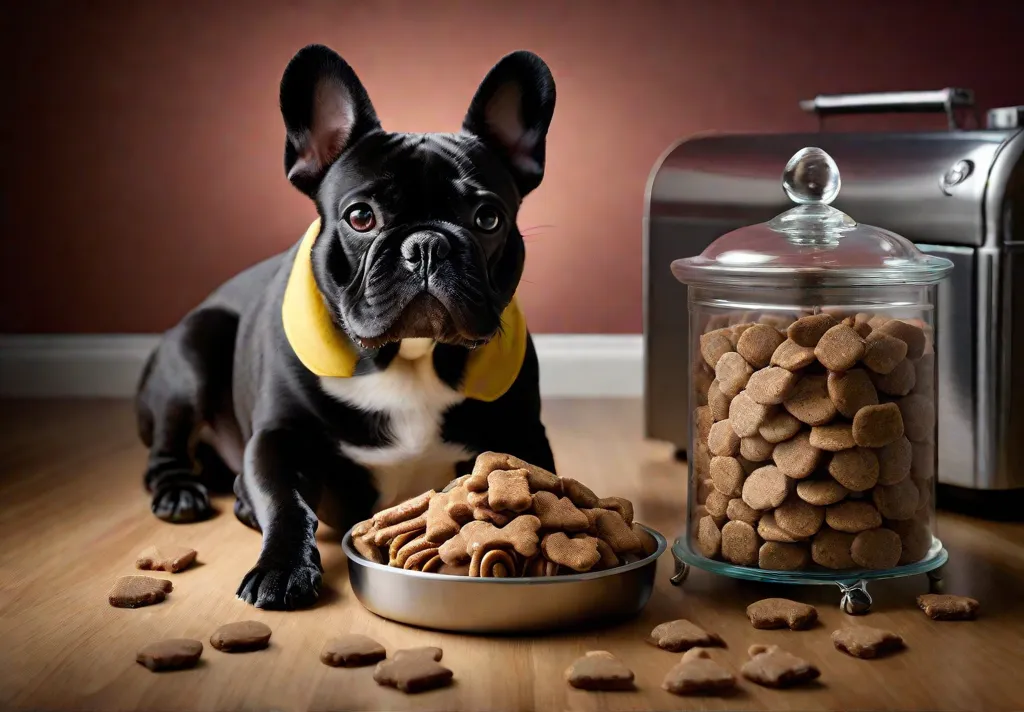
(819, 426)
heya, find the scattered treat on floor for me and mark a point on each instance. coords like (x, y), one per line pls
(352, 650)
(241, 637)
(138, 591)
(946, 607)
(771, 613)
(679, 635)
(165, 558)
(413, 670)
(698, 674)
(771, 666)
(172, 654)
(865, 642)
(599, 670)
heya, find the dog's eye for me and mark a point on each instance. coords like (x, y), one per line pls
(487, 219)
(360, 217)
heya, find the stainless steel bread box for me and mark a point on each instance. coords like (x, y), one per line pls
(957, 193)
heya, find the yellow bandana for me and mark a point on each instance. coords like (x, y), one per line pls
(326, 351)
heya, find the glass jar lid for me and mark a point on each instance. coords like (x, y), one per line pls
(811, 244)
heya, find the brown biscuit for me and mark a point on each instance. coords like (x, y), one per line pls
(648, 543)
(172, 654)
(793, 357)
(918, 417)
(717, 504)
(946, 607)
(709, 537)
(579, 553)
(618, 504)
(821, 492)
(769, 530)
(738, 510)
(831, 549)
(440, 525)
(851, 391)
(779, 427)
(138, 591)
(434, 564)
(352, 650)
(898, 501)
(732, 373)
(913, 336)
(388, 533)
(492, 563)
(723, 440)
(718, 402)
(476, 500)
(599, 670)
(894, 461)
(809, 402)
(861, 323)
(765, 488)
(620, 536)
(839, 348)
(400, 541)
(458, 507)
(740, 543)
(736, 331)
(864, 642)
(609, 559)
(883, 352)
(364, 545)
(714, 344)
(757, 344)
(899, 382)
(916, 538)
(679, 635)
(241, 637)
(746, 416)
(779, 556)
(413, 546)
(924, 383)
(773, 667)
(798, 517)
(772, 613)
(483, 513)
(833, 437)
(403, 512)
(520, 534)
(727, 475)
(756, 449)
(770, 386)
(166, 558)
(808, 330)
(559, 513)
(412, 672)
(877, 549)
(856, 469)
(796, 457)
(922, 468)
(702, 461)
(419, 560)
(485, 464)
(853, 516)
(877, 320)
(698, 674)
(579, 493)
(539, 567)
(508, 490)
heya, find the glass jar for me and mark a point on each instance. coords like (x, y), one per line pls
(812, 367)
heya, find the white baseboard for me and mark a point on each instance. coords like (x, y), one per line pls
(108, 365)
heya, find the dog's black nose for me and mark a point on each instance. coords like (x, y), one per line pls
(424, 251)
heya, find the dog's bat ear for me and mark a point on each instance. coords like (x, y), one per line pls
(511, 113)
(325, 110)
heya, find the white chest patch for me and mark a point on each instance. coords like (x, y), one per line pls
(415, 400)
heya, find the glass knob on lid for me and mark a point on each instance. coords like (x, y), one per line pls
(811, 243)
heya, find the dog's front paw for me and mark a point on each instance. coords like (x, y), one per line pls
(181, 500)
(281, 588)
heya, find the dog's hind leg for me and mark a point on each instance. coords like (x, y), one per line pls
(185, 396)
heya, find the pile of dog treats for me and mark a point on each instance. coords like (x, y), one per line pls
(507, 519)
(814, 442)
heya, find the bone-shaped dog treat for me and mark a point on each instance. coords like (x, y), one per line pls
(579, 553)
(520, 534)
(403, 512)
(441, 526)
(559, 513)
(508, 490)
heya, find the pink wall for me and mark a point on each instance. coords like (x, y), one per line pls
(142, 142)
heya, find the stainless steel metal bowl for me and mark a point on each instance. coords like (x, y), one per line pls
(512, 605)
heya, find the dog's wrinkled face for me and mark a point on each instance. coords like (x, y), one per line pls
(419, 235)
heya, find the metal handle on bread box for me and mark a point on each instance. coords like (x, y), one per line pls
(893, 102)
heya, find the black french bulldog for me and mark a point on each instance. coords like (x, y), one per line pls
(378, 356)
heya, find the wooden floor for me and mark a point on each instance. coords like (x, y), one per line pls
(73, 516)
